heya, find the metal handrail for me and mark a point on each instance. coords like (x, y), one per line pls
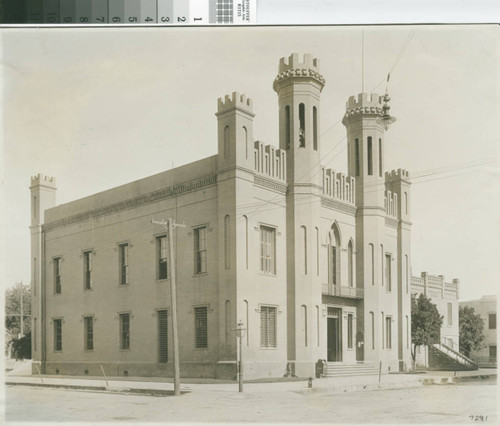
(462, 356)
(343, 291)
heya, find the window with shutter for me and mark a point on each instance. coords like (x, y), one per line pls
(268, 327)
(201, 327)
(162, 336)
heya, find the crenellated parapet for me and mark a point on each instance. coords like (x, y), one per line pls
(396, 175)
(270, 161)
(391, 204)
(43, 180)
(234, 101)
(298, 67)
(435, 286)
(365, 104)
(339, 186)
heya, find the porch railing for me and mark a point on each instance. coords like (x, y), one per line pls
(343, 291)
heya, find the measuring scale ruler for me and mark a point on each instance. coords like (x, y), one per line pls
(137, 12)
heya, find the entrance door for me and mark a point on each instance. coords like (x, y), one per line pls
(334, 335)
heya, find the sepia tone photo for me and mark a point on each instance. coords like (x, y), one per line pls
(251, 224)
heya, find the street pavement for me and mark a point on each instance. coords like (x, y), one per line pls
(445, 403)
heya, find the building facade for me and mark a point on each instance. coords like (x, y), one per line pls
(314, 262)
(486, 307)
(445, 296)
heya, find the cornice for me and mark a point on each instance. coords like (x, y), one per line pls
(338, 205)
(130, 203)
(269, 183)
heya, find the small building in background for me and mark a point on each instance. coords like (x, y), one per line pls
(486, 306)
(445, 296)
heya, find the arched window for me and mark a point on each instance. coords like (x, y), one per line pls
(372, 320)
(245, 220)
(380, 157)
(226, 142)
(317, 324)
(247, 325)
(372, 263)
(334, 256)
(370, 163)
(315, 128)
(317, 251)
(287, 126)
(245, 138)
(382, 265)
(302, 126)
(406, 272)
(350, 264)
(356, 155)
(304, 322)
(303, 237)
(228, 319)
(227, 243)
(382, 328)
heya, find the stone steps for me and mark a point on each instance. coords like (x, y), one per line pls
(358, 369)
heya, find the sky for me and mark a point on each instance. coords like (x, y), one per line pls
(97, 108)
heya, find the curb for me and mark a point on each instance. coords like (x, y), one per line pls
(109, 389)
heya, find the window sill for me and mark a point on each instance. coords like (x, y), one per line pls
(268, 349)
(88, 350)
(201, 274)
(201, 349)
(88, 289)
(268, 274)
(125, 350)
(162, 280)
(123, 285)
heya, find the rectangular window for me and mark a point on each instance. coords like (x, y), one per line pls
(162, 336)
(267, 250)
(349, 331)
(201, 327)
(57, 275)
(450, 313)
(162, 256)
(200, 250)
(388, 278)
(493, 351)
(492, 321)
(89, 333)
(58, 335)
(388, 332)
(87, 269)
(123, 253)
(267, 327)
(124, 331)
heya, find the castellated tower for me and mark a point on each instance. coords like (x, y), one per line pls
(235, 131)
(298, 85)
(43, 196)
(382, 230)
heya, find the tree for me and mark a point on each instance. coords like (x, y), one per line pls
(13, 309)
(425, 322)
(471, 327)
(21, 348)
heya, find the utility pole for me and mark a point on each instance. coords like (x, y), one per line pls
(169, 227)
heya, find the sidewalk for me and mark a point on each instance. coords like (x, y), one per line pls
(164, 386)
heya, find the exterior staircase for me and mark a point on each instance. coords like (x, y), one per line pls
(360, 368)
(442, 357)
